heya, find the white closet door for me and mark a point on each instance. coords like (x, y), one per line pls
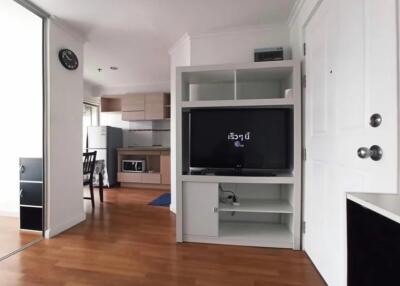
(200, 204)
(351, 69)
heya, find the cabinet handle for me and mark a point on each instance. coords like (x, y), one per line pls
(20, 193)
(215, 209)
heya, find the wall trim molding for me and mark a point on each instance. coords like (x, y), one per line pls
(294, 13)
(52, 232)
(77, 35)
(182, 40)
(239, 30)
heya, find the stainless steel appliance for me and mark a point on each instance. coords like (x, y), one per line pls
(133, 166)
(105, 140)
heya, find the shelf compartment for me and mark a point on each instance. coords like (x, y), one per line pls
(256, 234)
(258, 206)
(208, 85)
(263, 83)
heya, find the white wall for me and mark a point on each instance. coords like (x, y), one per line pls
(179, 56)
(65, 97)
(91, 93)
(237, 46)
(22, 97)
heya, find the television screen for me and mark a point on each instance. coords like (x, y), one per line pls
(241, 138)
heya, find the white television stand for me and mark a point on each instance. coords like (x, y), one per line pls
(269, 213)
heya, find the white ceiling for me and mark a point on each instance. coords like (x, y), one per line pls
(135, 35)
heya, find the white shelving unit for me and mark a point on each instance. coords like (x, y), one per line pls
(269, 214)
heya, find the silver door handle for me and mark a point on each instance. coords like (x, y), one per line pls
(374, 152)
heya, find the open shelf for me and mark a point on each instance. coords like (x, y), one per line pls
(258, 206)
(209, 85)
(262, 81)
(256, 234)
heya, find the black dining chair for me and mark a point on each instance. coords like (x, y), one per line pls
(89, 164)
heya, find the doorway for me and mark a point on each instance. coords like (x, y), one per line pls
(22, 126)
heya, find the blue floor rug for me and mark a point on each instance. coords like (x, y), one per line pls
(164, 200)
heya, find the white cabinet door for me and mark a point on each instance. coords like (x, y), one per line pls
(351, 68)
(200, 213)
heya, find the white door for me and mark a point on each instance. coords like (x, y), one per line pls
(200, 214)
(351, 70)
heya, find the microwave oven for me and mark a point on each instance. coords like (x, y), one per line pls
(133, 166)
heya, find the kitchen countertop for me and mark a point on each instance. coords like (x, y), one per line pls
(387, 205)
(145, 148)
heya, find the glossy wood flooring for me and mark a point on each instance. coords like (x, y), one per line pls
(127, 242)
(12, 238)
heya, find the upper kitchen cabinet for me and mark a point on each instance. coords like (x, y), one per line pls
(156, 106)
(109, 104)
(133, 107)
(151, 106)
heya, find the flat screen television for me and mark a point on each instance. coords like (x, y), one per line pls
(254, 139)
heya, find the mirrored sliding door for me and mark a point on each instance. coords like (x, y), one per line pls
(21, 127)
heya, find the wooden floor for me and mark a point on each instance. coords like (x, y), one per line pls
(11, 237)
(126, 242)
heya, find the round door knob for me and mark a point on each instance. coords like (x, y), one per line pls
(374, 152)
(375, 120)
(363, 152)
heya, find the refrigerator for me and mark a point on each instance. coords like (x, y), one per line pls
(105, 140)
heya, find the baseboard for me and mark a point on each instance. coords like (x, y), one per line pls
(52, 232)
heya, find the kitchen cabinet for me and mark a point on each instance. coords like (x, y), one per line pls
(110, 104)
(133, 102)
(150, 106)
(157, 173)
(165, 162)
(132, 115)
(155, 106)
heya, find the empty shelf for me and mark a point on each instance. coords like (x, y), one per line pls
(258, 206)
(257, 234)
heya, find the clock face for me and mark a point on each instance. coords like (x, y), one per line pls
(68, 59)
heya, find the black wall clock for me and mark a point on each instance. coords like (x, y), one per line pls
(68, 59)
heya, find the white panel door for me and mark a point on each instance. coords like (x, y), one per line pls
(351, 69)
(200, 209)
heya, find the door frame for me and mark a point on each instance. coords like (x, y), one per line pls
(45, 104)
(304, 114)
